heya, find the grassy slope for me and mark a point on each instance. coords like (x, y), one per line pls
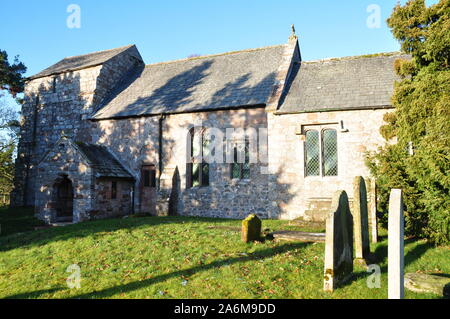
(181, 258)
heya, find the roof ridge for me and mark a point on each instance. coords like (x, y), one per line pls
(101, 51)
(215, 55)
(362, 56)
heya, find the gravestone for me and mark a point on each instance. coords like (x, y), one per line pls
(373, 224)
(251, 229)
(360, 219)
(395, 246)
(338, 243)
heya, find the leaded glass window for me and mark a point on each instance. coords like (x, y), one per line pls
(240, 169)
(197, 169)
(148, 175)
(312, 153)
(321, 156)
(330, 159)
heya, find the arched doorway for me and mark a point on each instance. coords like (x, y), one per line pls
(64, 200)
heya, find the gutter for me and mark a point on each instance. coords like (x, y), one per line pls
(234, 108)
(357, 108)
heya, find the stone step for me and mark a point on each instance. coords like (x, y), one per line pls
(299, 236)
(318, 208)
(299, 222)
(61, 224)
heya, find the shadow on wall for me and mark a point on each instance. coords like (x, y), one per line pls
(135, 140)
(56, 110)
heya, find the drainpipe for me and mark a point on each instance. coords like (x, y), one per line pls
(132, 198)
(160, 147)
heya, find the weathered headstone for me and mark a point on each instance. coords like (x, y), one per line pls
(251, 229)
(360, 219)
(338, 243)
(373, 224)
(395, 246)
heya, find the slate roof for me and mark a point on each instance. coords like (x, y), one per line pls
(230, 80)
(81, 61)
(341, 84)
(102, 161)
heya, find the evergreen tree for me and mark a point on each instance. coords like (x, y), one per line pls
(12, 82)
(419, 161)
(11, 75)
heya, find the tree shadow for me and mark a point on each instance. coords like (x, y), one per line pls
(442, 275)
(135, 139)
(380, 255)
(34, 294)
(381, 252)
(169, 97)
(262, 254)
(42, 237)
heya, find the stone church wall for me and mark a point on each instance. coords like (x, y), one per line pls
(104, 205)
(56, 106)
(136, 142)
(292, 194)
(63, 161)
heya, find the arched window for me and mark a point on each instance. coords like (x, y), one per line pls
(321, 157)
(197, 174)
(240, 168)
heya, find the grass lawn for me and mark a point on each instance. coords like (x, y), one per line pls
(176, 257)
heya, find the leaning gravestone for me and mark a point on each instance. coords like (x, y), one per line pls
(338, 243)
(360, 219)
(251, 229)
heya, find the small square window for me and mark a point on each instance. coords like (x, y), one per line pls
(113, 190)
(148, 176)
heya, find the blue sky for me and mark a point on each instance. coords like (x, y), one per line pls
(170, 29)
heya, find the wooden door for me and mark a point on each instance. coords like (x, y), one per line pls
(148, 189)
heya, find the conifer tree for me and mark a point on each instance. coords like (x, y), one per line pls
(419, 160)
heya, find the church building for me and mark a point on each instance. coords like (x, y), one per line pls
(106, 135)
